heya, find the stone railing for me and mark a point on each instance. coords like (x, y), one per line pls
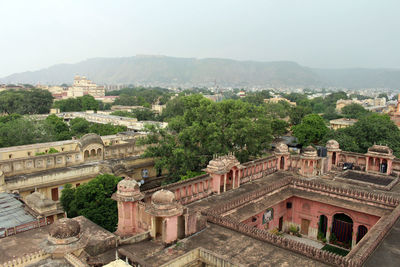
(346, 192)
(209, 258)
(25, 227)
(282, 242)
(179, 183)
(74, 261)
(26, 259)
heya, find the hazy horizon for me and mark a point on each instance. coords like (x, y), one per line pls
(312, 33)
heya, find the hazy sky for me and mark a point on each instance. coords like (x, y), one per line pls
(36, 34)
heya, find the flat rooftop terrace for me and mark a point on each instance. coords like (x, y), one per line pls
(367, 178)
(229, 244)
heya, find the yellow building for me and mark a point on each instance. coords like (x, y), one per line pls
(277, 99)
(341, 123)
(46, 168)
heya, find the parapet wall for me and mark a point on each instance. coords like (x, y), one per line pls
(25, 260)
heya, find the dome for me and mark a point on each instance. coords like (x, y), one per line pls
(64, 228)
(332, 144)
(222, 164)
(164, 204)
(128, 185)
(90, 138)
(310, 151)
(281, 148)
(163, 197)
(128, 190)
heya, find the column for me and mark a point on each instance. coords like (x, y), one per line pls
(366, 163)
(233, 179)
(225, 182)
(389, 167)
(329, 226)
(354, 236)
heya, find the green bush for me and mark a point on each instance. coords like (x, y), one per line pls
(52, 150)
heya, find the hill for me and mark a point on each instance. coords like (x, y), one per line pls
(186, 72)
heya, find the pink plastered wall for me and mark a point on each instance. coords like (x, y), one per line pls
(309, 210)
(171, 229)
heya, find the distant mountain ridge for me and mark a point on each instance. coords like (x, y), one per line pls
(186, 72)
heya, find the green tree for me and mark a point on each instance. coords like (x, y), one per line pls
(93, 200)
(89, 103)
(33, 101)
(354, 111)
(207, 128)
(297, 113)
(312, 129)
(79, 126)
(57, 128)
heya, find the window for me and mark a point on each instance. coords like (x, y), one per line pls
(10, 156)
(29, 153)
(54, 194)
(62, 149)
(145, 173)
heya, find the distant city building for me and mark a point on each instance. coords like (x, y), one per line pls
(372, 103)
(341, 123)
(82, 86)
(278, 99)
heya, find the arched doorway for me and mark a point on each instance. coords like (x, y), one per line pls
(361, 232)
(99, 152)
(282, 165)
(323, 225)
(93, 153)
(334, 158)
(342, 230)
(383, 167)
(86, 154)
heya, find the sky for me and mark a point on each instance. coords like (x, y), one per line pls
(315, 33)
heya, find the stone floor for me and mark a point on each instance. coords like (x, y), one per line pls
(304, 240)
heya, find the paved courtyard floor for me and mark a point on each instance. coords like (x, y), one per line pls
(304, 240)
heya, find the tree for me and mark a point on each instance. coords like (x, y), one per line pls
(206, 128)
(79, 126)
(93, 200)
(369, 130)
(279, 127)
(297, 113)
(312, 129)
(354, 111)
(89, 103)
(82, 103)
(33, 101)
(57, 128)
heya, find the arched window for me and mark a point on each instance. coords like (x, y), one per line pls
(342, 229)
